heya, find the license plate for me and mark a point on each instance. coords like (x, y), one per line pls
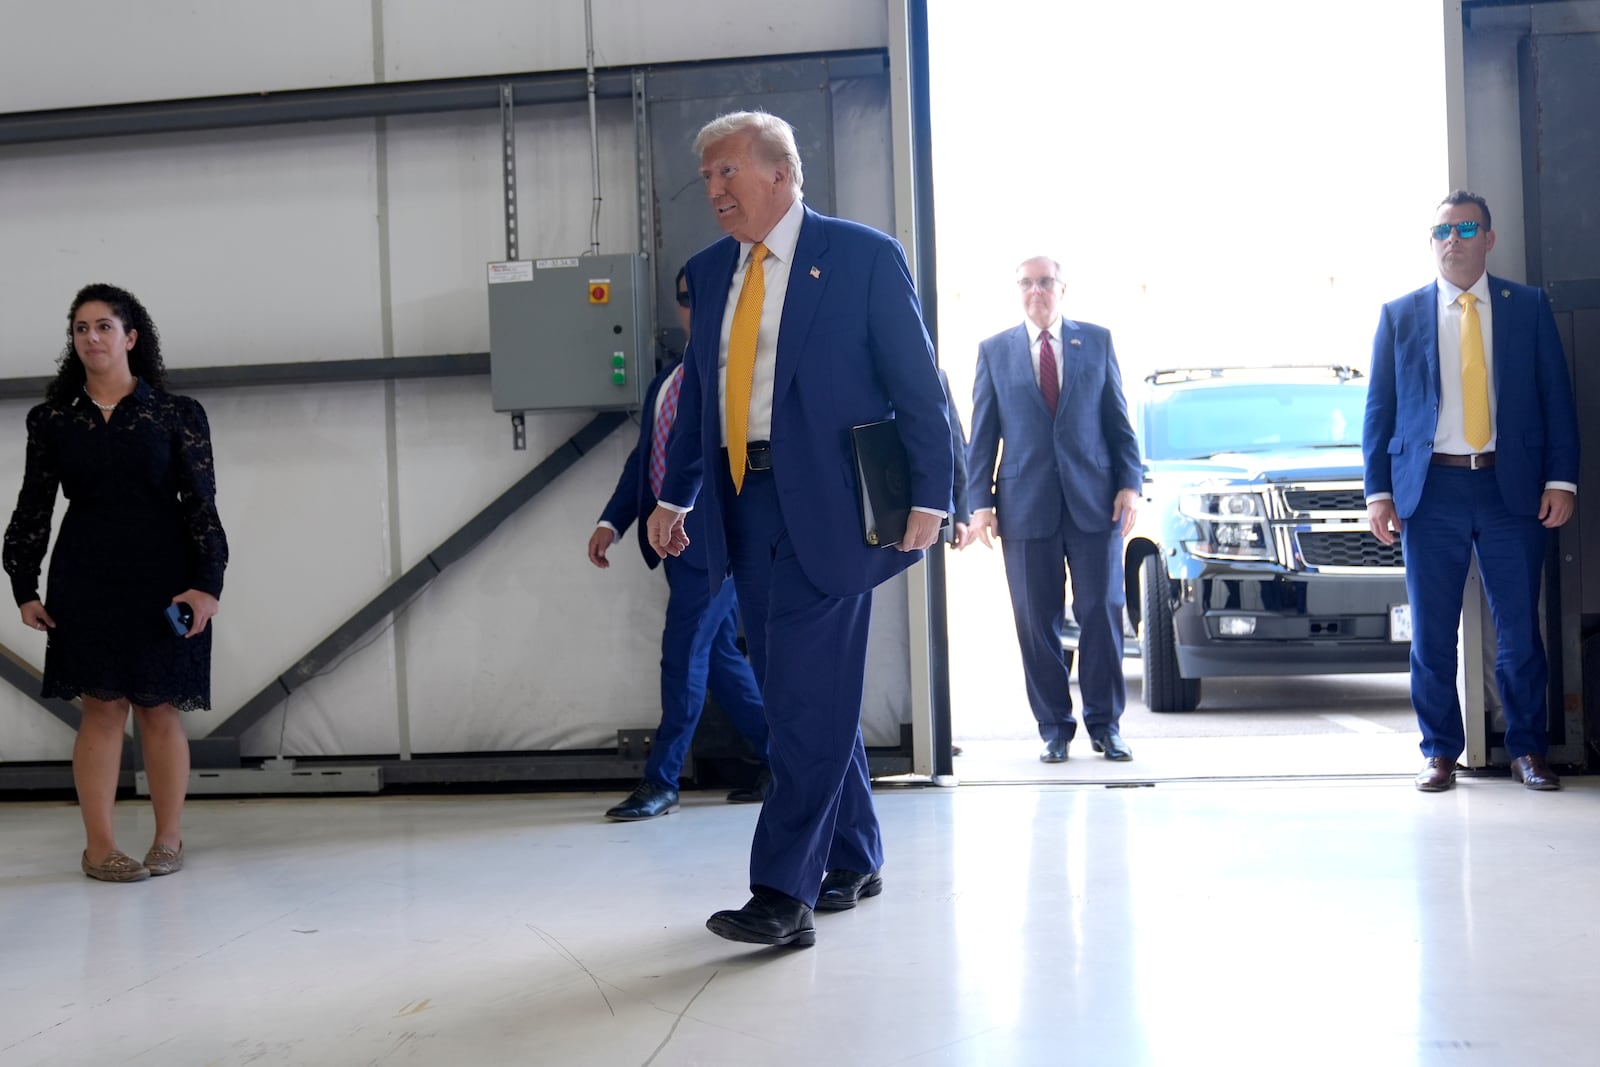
(1399, 622)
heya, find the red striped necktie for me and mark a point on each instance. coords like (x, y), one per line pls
(1049, 377)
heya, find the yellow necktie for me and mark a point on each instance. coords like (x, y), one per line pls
(742, 362)
(1474, 376)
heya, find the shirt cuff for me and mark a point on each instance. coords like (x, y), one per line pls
(1568, 486)
(606, 525)
(679, 508)
(931, 511)
(1375, 497)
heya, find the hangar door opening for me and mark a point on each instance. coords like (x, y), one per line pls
(1233, 198)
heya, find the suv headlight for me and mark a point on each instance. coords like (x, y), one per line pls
(1228, 525)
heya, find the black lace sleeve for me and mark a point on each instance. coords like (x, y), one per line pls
(28, 536)
(197, 496)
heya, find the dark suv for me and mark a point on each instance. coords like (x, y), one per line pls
(1252, 554)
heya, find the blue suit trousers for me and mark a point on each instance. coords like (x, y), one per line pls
(1036, 572)
(810, 654)
(1462, 512)
(699, 648)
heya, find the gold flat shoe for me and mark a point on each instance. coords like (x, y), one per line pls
(117, 867)
(162, 860)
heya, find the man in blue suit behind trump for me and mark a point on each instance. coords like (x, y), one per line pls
(1062, 494)
(804, 327)
(1471, 444)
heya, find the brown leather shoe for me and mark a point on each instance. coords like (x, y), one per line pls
(162, 860)
(1532, 771)
(116, 867)
(1437, 775)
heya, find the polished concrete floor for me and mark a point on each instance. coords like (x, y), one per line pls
(1334, 922)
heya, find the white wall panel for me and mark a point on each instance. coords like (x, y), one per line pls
(78, 53)
(178, 48)
(524, 645)
(302, 487)
(265, 245)
(447, 215)
(426, 39)
(249, 246)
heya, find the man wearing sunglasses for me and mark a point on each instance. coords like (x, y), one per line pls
(699, 646)
(1062, 498)
(1471, 444)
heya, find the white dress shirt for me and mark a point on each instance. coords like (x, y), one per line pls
(775, 276)
(1450, 435)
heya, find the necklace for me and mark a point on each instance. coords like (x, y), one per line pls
(96, 403)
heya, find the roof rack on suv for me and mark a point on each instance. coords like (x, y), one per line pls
(1169, 375)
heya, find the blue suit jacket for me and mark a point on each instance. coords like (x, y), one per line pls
(632, 499)
(851, 349)
(1536, 426)
(1089, 445)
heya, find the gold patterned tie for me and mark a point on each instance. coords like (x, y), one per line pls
(1474, 376)
(742, 362)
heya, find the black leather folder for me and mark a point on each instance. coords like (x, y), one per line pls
(884, 474)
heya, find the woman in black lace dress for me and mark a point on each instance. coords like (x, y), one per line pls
(141, 533)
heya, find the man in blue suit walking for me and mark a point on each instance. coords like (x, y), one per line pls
(1062, 498)
(1471, 445)
(699, 644)
(804, 327)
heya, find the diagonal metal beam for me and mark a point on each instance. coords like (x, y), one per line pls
(413, 581)
(20, 673)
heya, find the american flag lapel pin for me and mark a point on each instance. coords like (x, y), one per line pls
(815, 273)
(1075, 342)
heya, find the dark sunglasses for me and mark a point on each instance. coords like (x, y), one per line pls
(683, 300)
(1464, 230)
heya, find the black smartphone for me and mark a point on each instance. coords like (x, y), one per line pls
(181, 616)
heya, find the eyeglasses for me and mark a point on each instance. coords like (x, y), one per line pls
(683, 300)
(1044, 285)
(1465, 230)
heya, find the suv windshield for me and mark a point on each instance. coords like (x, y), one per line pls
(1192, 422)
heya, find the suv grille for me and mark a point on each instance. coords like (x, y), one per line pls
(1325, 500)
(1350, 549)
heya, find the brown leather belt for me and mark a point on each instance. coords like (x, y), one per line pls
(1477, 461)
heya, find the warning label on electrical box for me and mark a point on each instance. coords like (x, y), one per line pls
(546, 264)
(519, 270)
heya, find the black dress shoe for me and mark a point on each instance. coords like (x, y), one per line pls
(1110, 742)
(841, 889)
(754, 793)
(769, 918)
(1532, 771)
(645, 802)
(1437, 774)
(1054, 751)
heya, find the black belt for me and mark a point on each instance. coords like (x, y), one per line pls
(757, 456)
(1477, 461)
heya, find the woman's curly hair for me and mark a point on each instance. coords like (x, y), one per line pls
(144, 359)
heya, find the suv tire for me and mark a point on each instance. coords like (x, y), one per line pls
(1164, 688)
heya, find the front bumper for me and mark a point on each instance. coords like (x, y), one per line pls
(1300, 624)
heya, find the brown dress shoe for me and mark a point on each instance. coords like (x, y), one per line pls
(162, 860)
(1437, 775)
(1532, 771)
(116, 867)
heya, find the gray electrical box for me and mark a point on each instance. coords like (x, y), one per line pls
(569, 333)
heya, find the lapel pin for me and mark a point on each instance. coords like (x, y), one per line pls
(1075, 343)
(815, 273)
(1505, 292)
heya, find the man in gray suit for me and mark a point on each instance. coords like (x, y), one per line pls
(1063, 497)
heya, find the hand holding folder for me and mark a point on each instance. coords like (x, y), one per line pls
(883, 473)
